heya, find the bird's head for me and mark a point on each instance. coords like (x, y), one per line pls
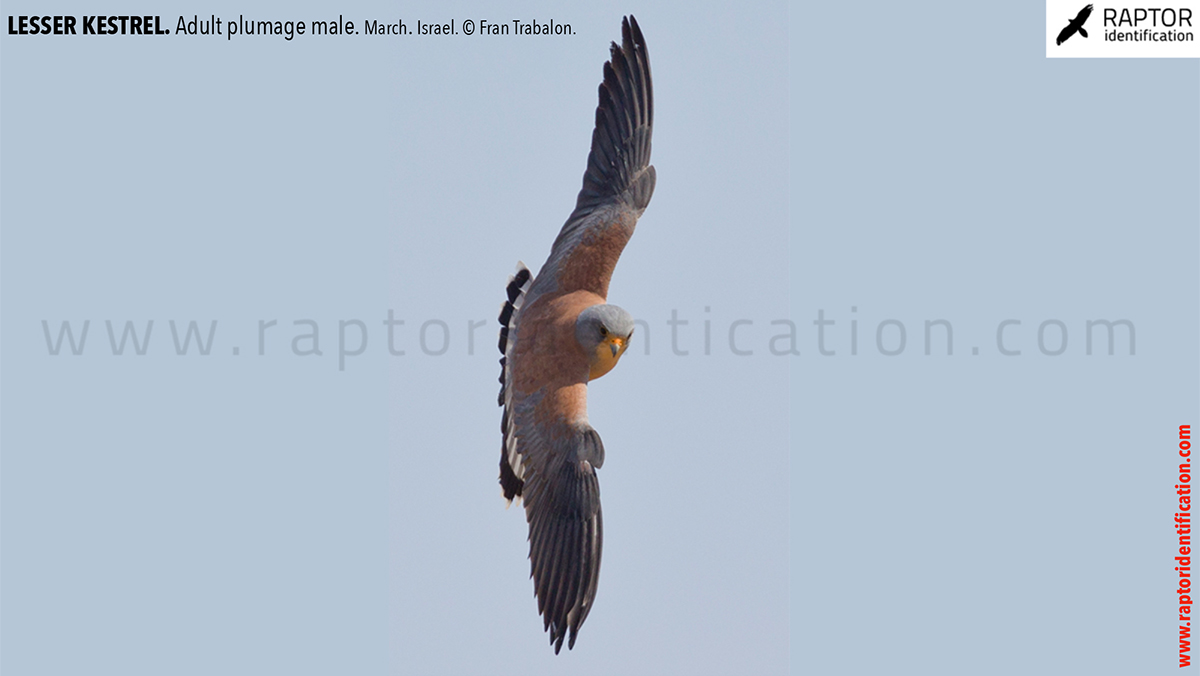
(603, 331)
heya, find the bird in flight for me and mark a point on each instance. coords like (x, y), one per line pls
(558, 333)
(1075, 25)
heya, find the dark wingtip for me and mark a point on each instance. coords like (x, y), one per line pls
(631, 32)
(620, 151)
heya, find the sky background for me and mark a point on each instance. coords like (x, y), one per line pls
(254, 510)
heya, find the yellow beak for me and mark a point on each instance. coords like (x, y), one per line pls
(616, 344)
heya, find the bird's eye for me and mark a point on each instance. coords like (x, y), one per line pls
(603, 331)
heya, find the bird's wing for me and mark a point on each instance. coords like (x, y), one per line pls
(550, 453)
(619, 180)
(1083, 15)
(1065, 33)
(562, 505)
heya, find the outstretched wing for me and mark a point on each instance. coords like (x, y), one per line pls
(562, 504)
(1065, 33)
(549, 458)
(619, 180)
(1082, 16)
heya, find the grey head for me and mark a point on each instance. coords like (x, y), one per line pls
(604, 325)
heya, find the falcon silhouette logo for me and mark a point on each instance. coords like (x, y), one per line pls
(1076, 26)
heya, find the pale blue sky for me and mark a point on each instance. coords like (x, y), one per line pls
(879, 164)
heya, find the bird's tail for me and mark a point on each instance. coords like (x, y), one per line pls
(518, 284)
(1083, 32)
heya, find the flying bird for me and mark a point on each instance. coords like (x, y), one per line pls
(1075, 25)
(558, 333)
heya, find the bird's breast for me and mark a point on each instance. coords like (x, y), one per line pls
(547, 352)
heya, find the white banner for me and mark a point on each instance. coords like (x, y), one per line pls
(1140, 29)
